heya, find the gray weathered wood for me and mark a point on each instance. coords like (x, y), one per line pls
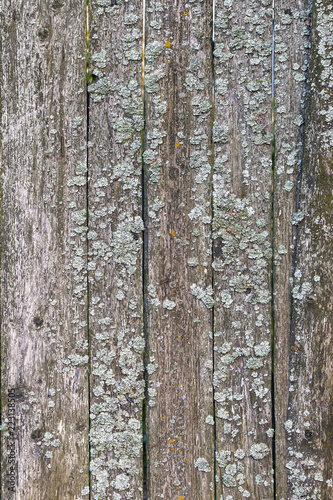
(115, 248)
(178, 305)
(309, 424)
(43, 247)
(80, 271)
(292, 29)
(242, 248)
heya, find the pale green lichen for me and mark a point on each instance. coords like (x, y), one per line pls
(169, 304)
(202, 465)
(258, 451)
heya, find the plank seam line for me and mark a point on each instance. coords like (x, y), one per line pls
(212, 209)
(272, 265)
(87, 250)
(144, 271)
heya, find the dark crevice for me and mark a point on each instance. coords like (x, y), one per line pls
(272, 264)
(88, 293)
(212, 209)
(214, 407)
(144, 278)
(145, 329)
(87, 259)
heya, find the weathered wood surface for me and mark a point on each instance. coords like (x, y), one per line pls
(178, 281)
(91, 247)
(115, 249)
(292, 42)
(242, 200)
(43, 248)
(309, 461)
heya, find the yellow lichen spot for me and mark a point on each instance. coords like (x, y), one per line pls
(164, 418)
(172, 449)
(173, 233)
(178, 336)
(179, 452)
(177, 145)
(168, 44)
(181, 498)
(170, 440)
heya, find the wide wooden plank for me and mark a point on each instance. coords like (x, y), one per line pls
(309, 423)
(292, 42)
(115, 248)
(44, 356)
(242, 249)
(178, 281)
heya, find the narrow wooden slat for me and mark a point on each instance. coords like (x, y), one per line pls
(44, 355)
(115, 248)
(292, 30)
(242, 249)
(178, 306)
(309, 424)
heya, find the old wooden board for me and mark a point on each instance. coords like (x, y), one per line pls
(242, 202)
(43, 250)
(115, 248)
(309, 461)
(178, 304)
(292, 42)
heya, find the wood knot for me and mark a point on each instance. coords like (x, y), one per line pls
(43, 34)
(36, 434)
(308, 434)
(38, 321)
(57, 5)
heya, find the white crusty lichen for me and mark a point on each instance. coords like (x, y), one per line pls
(202, 465)
(169, 304)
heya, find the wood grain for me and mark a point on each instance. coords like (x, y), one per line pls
(309, 423)
(178, 304)
(115, 249)
(292, 46)
(242, 200)
(43, 249)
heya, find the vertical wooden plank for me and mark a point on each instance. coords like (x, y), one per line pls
(178, 96)
(115, 248)
(309, 424)
(242, 248)
(292, 30)
(44, 355)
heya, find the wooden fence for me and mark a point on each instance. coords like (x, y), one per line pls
(166, 252)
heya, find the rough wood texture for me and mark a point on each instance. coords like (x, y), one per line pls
(178, 93)
(115, 249)
(43, 248)
(309, 424)
(292, 42)
(242, 248)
